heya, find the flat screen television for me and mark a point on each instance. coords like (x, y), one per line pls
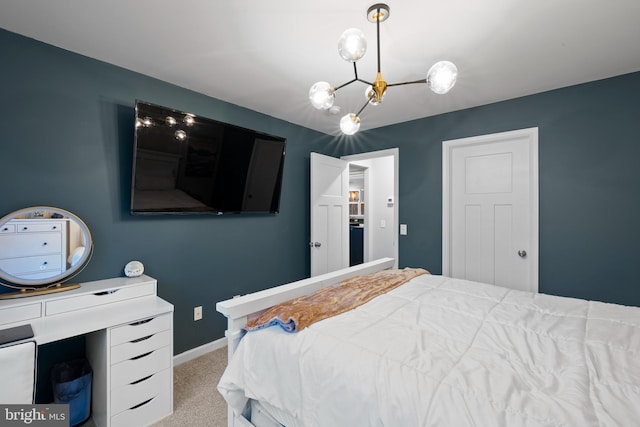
(189, 164)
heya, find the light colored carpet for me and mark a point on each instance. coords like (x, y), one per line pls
(196, 401)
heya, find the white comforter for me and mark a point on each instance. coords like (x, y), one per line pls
(445, 352)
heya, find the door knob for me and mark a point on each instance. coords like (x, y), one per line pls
(315, 244)
(522, 253)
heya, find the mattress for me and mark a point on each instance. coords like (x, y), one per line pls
(438, 351)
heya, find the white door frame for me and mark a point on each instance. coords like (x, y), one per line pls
(531, 134)
(395, 153)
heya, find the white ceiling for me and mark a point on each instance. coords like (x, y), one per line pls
(264, 55)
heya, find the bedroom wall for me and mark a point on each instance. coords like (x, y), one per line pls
(67, 135)
(66, 126)
(589, 151)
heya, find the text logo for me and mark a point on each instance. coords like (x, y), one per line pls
(53, 415)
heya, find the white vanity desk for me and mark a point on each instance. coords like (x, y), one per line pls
(129, 343)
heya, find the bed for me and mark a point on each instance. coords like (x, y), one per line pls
(434, 351)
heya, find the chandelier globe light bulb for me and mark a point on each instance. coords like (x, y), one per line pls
(322, 95)
(352, 45)
(442, 76)
(369, 94)
(350, 124)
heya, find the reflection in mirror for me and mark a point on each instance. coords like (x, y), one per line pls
(40, 247)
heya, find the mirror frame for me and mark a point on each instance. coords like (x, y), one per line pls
(29, 287)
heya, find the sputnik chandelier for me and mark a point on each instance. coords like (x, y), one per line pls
(352, 46)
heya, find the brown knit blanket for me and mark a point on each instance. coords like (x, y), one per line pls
(296, 314)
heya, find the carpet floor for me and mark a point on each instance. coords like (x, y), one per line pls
(196, 401)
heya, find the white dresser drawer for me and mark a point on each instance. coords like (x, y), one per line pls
(37, 227)
(16, 245)
(145, 414)
(45, 274)
(131, 395)
(79, 302)
(20, 313)
(144, 328)
(140, 346)
(131, 370)
(8, 228)
(32, 264)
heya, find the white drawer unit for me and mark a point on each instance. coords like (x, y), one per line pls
(141, 370)
(34, 248)
(138, 372)
(129, 343)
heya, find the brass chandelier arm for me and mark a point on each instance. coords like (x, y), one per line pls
(407, 83)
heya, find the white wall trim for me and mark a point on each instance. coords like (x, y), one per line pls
(194, 353)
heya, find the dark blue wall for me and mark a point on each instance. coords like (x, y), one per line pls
(67, 136)
(589, 154)
(66, 126)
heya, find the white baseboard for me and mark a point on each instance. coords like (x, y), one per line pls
(188, 355)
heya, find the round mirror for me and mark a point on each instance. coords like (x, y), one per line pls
(40, 247)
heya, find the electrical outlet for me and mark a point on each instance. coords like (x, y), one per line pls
(197, 313)
(403, 229)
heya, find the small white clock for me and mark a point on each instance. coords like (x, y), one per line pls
(133, 269)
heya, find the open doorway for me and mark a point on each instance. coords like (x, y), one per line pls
(330, 208)
(380, 186)
(357, 213)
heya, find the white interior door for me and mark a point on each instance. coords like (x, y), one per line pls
(329, 243)
(490, 209)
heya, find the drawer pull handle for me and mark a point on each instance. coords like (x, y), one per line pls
(141, 404)
(25, 228)
(141, 380)
(141, 339)
(141, 322)
(113, 291)
(5, 229)
(141, 356)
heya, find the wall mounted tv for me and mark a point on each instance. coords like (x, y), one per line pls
(188, 164)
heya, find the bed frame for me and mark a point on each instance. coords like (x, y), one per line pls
(241, 308)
